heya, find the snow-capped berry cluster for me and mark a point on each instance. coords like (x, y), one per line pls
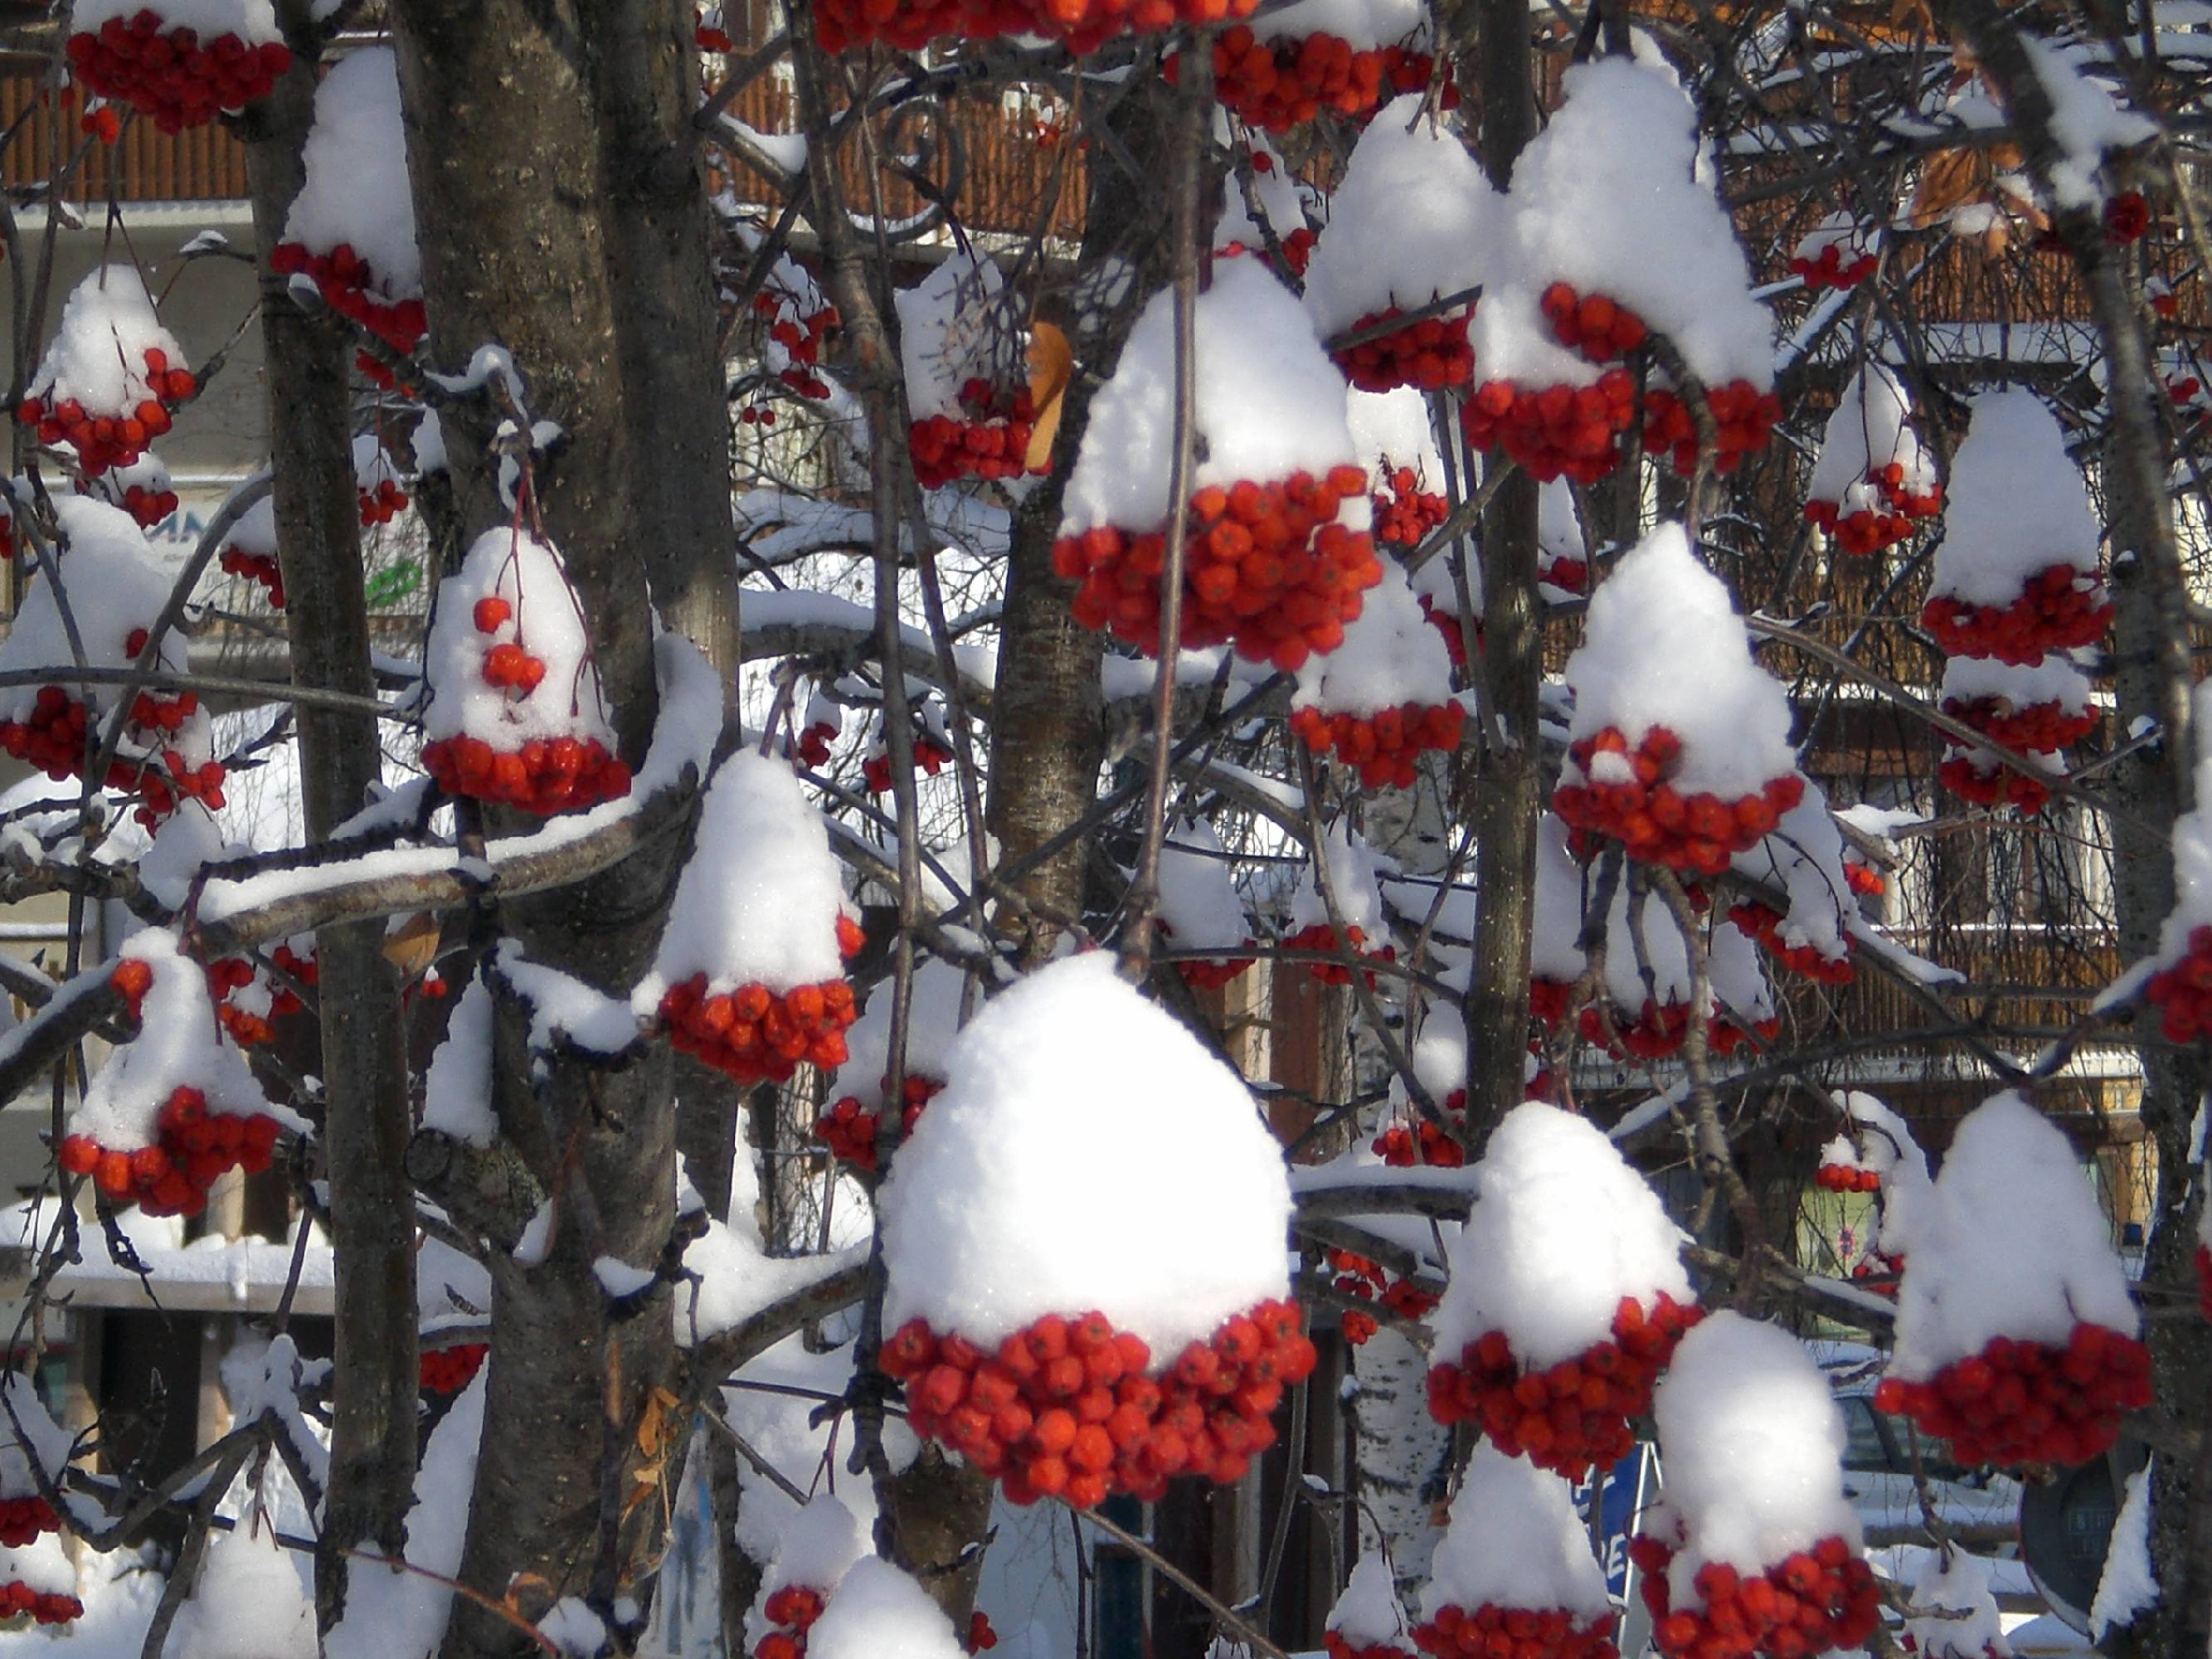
(111, 377)
(351, 228)
(142, 490)
(450, 1368)
(1419, 1140)
(1839, 252)
(749, 976)
(790, 1610)
(2057, 607)
(179, 63)
(1367, 1622)
(1685, 770)
(799, 323)
(1383, 696)
(1815, 1601)
(250, 551)
(377, 482)
(1763, 923)
(1841, 1171)
(1279, 554)
(862, 1087)
(1513, 1577)
(1276, 75)
(515, 714)
(1874, 480)
(2015, 1332)
(1199, 907)
(967, 377)
(1319, 936)
(991, 438)
(1352, 878)
(2038, 710)
(1565, 1300)
(1063, 1366)
(823, 724)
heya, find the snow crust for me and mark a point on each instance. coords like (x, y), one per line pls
(1012, 1199)
(1352, 870)
(1958, 1587)
(2017, 503)
(2013, 1242)
(357, 189)
(2086, 122)
(1562, 1230)
(1513, 1540)
(247, 1603)
(457, 1087)
(98, 354)
(2129, 1583)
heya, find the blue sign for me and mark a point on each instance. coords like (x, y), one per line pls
(1620, 1496)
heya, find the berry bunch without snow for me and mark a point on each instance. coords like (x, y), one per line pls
(178, 62)
(1291, 62)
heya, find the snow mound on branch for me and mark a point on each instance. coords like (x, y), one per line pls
(1660, 610)
(1958, 1588)
(39, 1438)
(954, 327)
(247, 1603)
(254, 21)
(1392, 428)
(1514, 1540)
(2086, 122)
(1362, 25)
(1664, 953)
(355, 190)
(1367, 1614)
(1069, 1099)
(1282, 198)
(98, 356)
(1562, 1230)
(180, 1044)
(1438, 1054)
(547, 620)
(45, 1566)
(1753, 1444)
(2013, 1242)
(113, 586)
(1804, 857)
(933, 1021)
(879, 1613)
(2129, 1583)
(450, 1288)
(2193, 843)
(457, 1087)
(1554, 953)
(1870, 429)
(1391, 655)
(2056, 678)
(1268, 402)
(1197, 894)
(1738, 976)
(1606, 199)
(777, 1426)
(816, 1545)
(1413, 220)
(2017, 504)
(759, 897)
(372, 466)
(1353, 869)
(1886, 1145)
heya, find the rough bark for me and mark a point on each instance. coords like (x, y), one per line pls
(363, 1061)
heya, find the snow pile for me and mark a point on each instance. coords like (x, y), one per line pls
(543, 618)
(933, 1021)
(1870, 431)
(1362, 25)
(249, 20)
(1391, 430)
(1555, 950)
(1010, 1201)
(2129, 1583)
(356, 194)
(113, 588)
(1803, 856)
(760, 897)
(98, 356)
(1753, 1444)
(816, 1545)
(457, 1087)
(2086, 122)
(1367, 1614)
(1952, 1589)
(1353, 867)
(954, 327)
(1414, 219)
(2017, 504)
(32, 1436)
(2011, 1242)
(1269, 404)
(1659, 610)
(247, 1603)
(879, 1613)
(778, 1426)
(1391, 657)
(1514, 1541)
(1562, 1232)
(1198, 906)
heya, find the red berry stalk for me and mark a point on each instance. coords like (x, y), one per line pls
(1382, 747)
(1321, 937)
(2058, 609)
(115, 437)
(1764, 922)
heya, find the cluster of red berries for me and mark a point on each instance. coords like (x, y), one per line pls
(195, 1149)
(993, 442)
(169, 74)
(1595, 325)
(1356, 1276)
(1744, 420)
(1846, 1178)
(1864, 879)
(1297, 246)
(1065, 1409)
(103, 440)
(1418, 1140)
(1835, 266)
(506, 666)
(812, 746)
(802, 338)
(22, 1519)
(1279, 84)
(1430, 354)
(756, 1035)
(17, 1597)
(848, 1128)
(2058, 609)
(2127, 218)
(1447, 623)
(346, 281)
(146, 508)
(255, 567)
(1491, 1631)
(1267, 568)
(1206, 973)
(1575, 1414)
(1660, 1029)
(53, 740)
(981, 1637)
(105, 124)
(1548, 1000)
(1692, 833)
(1994, 786)
(1866, 530)
(2029, 1402)
(1405, 513)
(929, 757)
(1816, 1601)
(225, 975)
(1083, 24)
(544, 776)
(2041, 726)
(1336, 1645)
(450, 1369)
(2183, 993)
(1383, 746)
(1554, 431)
(1763, 923)
(1565, 571)
(382, 504)
(1320, 936)
(710, 35)
(790, 1612)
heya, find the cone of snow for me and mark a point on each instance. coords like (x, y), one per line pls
(1365, 933)
(1199, 907)
(1515, 1561)
(848, 1127)
(112, 376)
(1382, 698)
(1874, 478)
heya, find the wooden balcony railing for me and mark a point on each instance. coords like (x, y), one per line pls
(203, 165)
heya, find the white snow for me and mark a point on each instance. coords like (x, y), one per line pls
(254, 21)
(759, 897)
(357, 189)
(776, 1425)
(1553, 952)
(1198, 893)
(2128, 1585)
(932, 1023)
(1804, 857)
(1353, 869)
(1870, 429)
(1658, 611)
(1514, 1541)
(1283, 199)
(2086, 122)
(98, 354)
(1268, 404)
(816, 1545)
(1393, 429)
(1367, 1614)
(2012, 1242)
(879, 1613)
(1886, 1145)
(1752, 1441)
(2054, 678)
(562, 1007)
(1012, 1198)
(457, 1087)
(41, 1439)
(247, 1603)
(114, 587)
(546, 620)
(1955, 1583)
(1413, 219)
(1562, 1230)
(1362, 25)
(1391, 655)
(953, 327)
(2017, 503)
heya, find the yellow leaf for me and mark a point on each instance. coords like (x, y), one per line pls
(1052, 364)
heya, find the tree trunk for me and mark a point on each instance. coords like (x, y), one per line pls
(363, 1053)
